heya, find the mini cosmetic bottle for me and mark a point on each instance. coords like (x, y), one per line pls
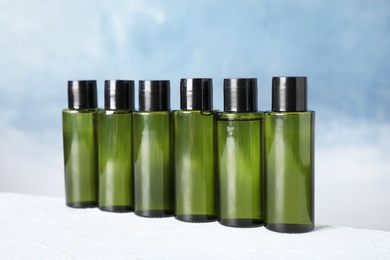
(153, 151)
(115, 147)
(289, 158)
(194, 150)
(240, 157)
(79, 125)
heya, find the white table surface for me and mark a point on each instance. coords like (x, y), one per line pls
(33, 227)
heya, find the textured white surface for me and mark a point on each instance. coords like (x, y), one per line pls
(43, 227)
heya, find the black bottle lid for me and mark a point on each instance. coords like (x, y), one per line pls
(196, 94)
(119, 94)
(154, 95)
(240, 95)
(289, 94)
(82, 94)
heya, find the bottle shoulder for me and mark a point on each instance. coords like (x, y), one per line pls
(152, 113)
(300, 113)
(193, 112)
(79, 111)
(114, 112)
(240, 116)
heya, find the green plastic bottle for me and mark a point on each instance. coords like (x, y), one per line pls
(153, 151)
(194, 152)
(79, 126)
(240, 156)
(115, 147)
(289, 150)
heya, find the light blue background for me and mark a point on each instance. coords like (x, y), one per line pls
(342, 46)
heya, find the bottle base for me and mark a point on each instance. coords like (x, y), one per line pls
(82, 205)
(241, 223)
(289, 228)
(196, 218)
(154, 213)
(117, 209)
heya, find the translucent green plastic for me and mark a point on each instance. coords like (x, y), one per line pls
(153, 168)
(195, 169)
(289, 174)
(80, 157)
(115, 161)
(240, 165)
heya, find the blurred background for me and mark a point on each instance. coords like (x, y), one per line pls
(343, 47)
